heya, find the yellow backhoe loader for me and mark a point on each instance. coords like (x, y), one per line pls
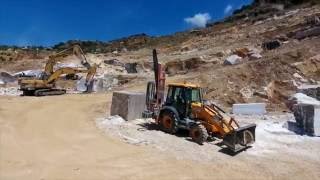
(45, 84)
(184, 108)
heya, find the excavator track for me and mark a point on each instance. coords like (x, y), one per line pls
(49, 92)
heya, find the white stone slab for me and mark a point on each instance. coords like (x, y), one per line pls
(128, 105)
(249, 109)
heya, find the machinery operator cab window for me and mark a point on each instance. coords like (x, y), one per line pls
(189, 95)
(193, 95)
(182, 97)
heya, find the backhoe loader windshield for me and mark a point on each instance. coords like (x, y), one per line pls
(193, 95)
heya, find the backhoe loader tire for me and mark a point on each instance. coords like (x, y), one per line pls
(199, 134)
(168, 122)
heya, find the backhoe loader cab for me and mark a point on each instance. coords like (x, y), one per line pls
(183, 108)
(180, 97)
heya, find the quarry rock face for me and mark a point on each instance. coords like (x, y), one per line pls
(129, 67)
(309, 66)
(279, 91)
(128, 105)
(106, 82)
(284, 2)
(308, 33)
(183, 66)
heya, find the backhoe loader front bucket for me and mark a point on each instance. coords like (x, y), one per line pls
(240, 138)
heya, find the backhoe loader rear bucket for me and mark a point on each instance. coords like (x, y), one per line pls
(241, 138)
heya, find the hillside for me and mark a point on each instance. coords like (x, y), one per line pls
(264, 53)
(199, 55)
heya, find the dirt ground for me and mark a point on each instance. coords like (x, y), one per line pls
(57, 138)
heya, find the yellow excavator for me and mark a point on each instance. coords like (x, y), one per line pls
(184, 108)
(45, 84)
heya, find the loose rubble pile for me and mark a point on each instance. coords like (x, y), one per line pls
(8, 85)
(11, 91)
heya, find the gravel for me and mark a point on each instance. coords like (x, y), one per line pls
(272, 138)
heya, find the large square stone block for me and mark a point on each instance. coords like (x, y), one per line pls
(128, 105)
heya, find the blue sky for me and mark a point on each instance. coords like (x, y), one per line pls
(44, 22)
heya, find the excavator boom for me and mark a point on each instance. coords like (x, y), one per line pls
(53, 59)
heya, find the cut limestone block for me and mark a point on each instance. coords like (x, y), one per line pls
(128, 105)
(308, 119)
(304, 114)
(249, 109)
(317, 121)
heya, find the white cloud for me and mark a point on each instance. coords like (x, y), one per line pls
(228, 9)
(198, 20)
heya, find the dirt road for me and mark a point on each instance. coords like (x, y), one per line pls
(57, 138)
